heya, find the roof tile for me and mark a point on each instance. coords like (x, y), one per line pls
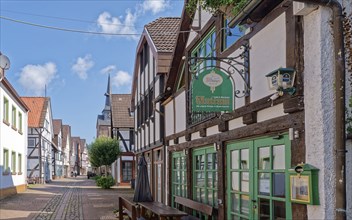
(37, 109)
(120, 115)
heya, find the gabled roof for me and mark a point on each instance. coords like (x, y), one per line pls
(57, 123)
(120, 111)
(163, 32)
(66, 131)
(37, 110)
(13, 92)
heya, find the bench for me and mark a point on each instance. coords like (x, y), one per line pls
(127, 207)
(197, 206)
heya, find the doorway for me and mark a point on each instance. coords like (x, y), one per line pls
(257, 179)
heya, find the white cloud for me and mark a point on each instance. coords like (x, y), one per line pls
(155, 6)
(118, 25)
(82, 65)
(121, 78)
(108, 69)
(34, 78)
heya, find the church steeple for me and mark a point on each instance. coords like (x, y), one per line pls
(107, 107)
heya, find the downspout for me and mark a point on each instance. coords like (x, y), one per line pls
(339, 64)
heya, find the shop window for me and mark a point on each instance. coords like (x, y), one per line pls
(205, 177)
(232, 35)
(179, 176)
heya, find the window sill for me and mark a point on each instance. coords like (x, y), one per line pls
(20, 132)
(13, 173)
(14, 128)
(19, 173)
(6, 122)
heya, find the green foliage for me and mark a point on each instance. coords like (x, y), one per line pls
(96, 177)
(103, 151)
(105, 182)
(214, 5)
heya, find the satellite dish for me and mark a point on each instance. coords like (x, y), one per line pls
(4, 62)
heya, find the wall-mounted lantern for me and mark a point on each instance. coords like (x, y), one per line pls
(282, 80)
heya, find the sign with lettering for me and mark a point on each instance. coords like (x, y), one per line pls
(212, 91)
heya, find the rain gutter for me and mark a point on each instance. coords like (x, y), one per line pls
(340, 74)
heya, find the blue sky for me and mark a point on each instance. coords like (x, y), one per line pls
(74, 66)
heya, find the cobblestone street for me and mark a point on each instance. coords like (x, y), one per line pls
(70, 198)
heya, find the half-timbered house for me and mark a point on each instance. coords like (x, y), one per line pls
(66, 146)
(58, 162)
(232, 137)
(40, 139)
(13, 140)
(153, 57)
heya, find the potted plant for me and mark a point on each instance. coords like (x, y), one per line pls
(235, 9)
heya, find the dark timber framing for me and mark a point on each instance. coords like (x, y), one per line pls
(293, 106)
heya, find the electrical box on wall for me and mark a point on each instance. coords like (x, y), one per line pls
(302, 9)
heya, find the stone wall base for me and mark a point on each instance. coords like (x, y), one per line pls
(6, 192)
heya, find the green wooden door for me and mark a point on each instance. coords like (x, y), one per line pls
(257, 179)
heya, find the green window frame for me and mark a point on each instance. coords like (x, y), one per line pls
(231, 35)
(6, 160)
(267, 194)
(179, 176)
(205, 176)
(13, 162)
(19, 163)
(205, 48)
(6, 110)
(14, 117)
(19, 121)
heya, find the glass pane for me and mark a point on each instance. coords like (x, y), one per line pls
(235, 202)
(200, 179)
(210, 179)
(215, 164)
(264, 209)
(244, 159)
(235, 217)
(245, 181)
(264, 158)
(279, 184)
(234, 159)
(210, 161)
(279, 157)
(202, 195)
(279, 210)
(210, 197)
(235, 181)
(215, 176)
(200, 162)
(264, 183)
(244, 204)
(216, 198)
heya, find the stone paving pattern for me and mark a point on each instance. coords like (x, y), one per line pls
(70, 198)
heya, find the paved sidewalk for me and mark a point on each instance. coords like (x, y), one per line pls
(69, 198)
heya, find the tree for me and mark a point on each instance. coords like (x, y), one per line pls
(103, 152)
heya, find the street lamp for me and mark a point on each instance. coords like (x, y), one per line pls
(4, 65)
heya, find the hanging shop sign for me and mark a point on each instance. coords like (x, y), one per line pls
(212, 91)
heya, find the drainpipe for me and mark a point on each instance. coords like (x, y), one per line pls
(339, 64)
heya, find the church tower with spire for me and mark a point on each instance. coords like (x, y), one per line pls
(104, 120)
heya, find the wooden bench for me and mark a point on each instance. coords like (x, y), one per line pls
(197, 206)
(127, 207)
